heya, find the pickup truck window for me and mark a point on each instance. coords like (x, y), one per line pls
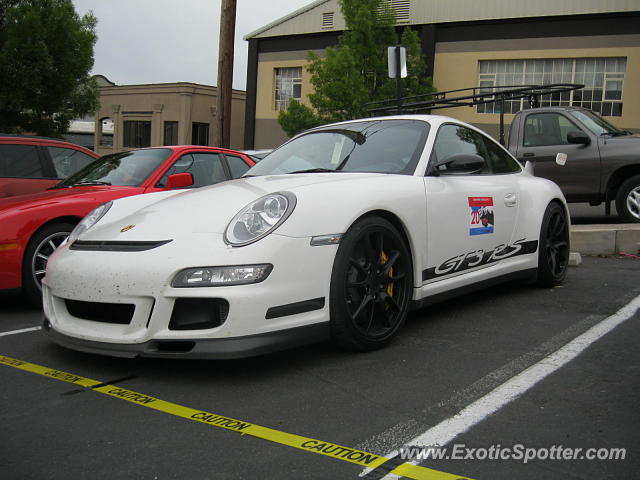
(595, 123)
(542, 129)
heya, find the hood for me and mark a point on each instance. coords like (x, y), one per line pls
(50, 197)
(634, 137)
(208, 209)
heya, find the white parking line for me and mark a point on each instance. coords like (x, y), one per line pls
(448, 429)
(15, 332)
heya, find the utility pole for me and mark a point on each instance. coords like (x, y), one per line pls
(225, 73)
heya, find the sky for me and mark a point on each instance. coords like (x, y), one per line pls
(160, 41)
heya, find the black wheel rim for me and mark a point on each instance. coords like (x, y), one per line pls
(377, 284)
(42, 253)
(557, 244)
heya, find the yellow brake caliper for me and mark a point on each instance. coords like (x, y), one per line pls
(383, 259)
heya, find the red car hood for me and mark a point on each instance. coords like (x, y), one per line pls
(50, 197)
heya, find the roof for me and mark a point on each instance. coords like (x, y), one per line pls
(325, 15)
(286, 18)
(171, 87)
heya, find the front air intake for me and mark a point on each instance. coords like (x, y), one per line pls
(118, 313)
(198, 313)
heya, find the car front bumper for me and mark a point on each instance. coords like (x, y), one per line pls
(203, 348)
(289, 308)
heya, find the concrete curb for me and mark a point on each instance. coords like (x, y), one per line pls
(605, 239)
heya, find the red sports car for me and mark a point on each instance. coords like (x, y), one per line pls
(32, 226)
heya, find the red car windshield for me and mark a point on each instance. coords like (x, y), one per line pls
(127, 169)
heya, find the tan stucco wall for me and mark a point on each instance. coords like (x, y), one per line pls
(456, 66)
(265, 104)
(184, 103)
(268, 133)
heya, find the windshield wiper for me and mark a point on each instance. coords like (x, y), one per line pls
(92, 182)
(616, 134)
(316, 170)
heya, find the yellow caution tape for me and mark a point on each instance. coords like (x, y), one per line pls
(340, 452)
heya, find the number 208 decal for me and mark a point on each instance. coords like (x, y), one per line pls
(477, 258)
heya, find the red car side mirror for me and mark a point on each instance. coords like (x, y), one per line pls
(179, 180)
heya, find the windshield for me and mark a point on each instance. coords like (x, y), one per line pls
(381, 146)
(596, 123)
(127, 169)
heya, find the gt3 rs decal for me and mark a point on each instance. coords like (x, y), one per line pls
(466, 261)
(481, 219)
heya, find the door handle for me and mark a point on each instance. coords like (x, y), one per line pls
(510, 199)
(529, 154)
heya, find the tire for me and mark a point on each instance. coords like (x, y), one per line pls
(628, 200)
(553, 248)
(371, 285)
(40, 247)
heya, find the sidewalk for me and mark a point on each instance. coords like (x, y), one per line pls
(605, 239)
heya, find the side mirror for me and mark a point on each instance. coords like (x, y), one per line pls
(460, 163)
(576, 136)
(180, 180)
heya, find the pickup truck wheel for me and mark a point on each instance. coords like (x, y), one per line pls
(553, 249)
(628, 200)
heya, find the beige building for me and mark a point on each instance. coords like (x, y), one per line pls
(467, 43)
(162, 114)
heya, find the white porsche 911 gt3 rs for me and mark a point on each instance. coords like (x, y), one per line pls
(336, 234)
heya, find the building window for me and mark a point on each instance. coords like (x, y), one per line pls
(603, 79)
(288, 86)
(200, 133)
(170, 133)
(137, 133)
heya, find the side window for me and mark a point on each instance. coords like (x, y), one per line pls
(67, 161)
(237, 166)
(500, 161)
(206, 169)
(454, 139)
(21, 161)
(542, 129)
(566, 126)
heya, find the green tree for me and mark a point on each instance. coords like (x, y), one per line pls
(355, 71)
(296, 118)
(46, 54)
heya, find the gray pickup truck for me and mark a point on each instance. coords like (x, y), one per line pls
(603, 162)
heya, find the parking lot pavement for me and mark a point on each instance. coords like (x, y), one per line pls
(447, 357)
(583, 213)
(591, 403)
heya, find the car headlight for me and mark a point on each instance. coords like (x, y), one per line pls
(89, 221)
(259, 218)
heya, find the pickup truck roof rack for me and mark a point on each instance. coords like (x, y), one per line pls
(468, 97)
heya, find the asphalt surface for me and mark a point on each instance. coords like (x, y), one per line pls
(446, 357)
(585, 214)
